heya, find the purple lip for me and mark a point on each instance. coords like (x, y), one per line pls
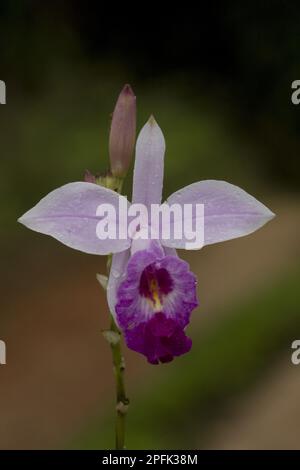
(160, 339)
(154, 304)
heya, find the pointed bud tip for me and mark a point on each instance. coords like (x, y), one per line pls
(127, 90)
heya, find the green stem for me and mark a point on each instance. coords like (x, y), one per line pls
(121, 399)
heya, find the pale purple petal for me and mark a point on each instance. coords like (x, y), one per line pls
(229, 212)
(149, 165)
(116, 276)
(69, 215)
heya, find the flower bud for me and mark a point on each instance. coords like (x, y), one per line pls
(122, 132)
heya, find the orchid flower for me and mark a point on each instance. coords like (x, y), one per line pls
(151, 291)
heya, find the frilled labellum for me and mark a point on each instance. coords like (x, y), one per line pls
(154, 304)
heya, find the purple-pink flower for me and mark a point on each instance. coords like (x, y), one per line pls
(151, 291)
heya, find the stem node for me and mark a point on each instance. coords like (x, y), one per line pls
(122, 407)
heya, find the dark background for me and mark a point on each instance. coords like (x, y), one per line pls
(246, 52)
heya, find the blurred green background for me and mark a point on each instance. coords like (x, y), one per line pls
(219, 84)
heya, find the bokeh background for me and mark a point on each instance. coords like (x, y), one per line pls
(218, 80)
